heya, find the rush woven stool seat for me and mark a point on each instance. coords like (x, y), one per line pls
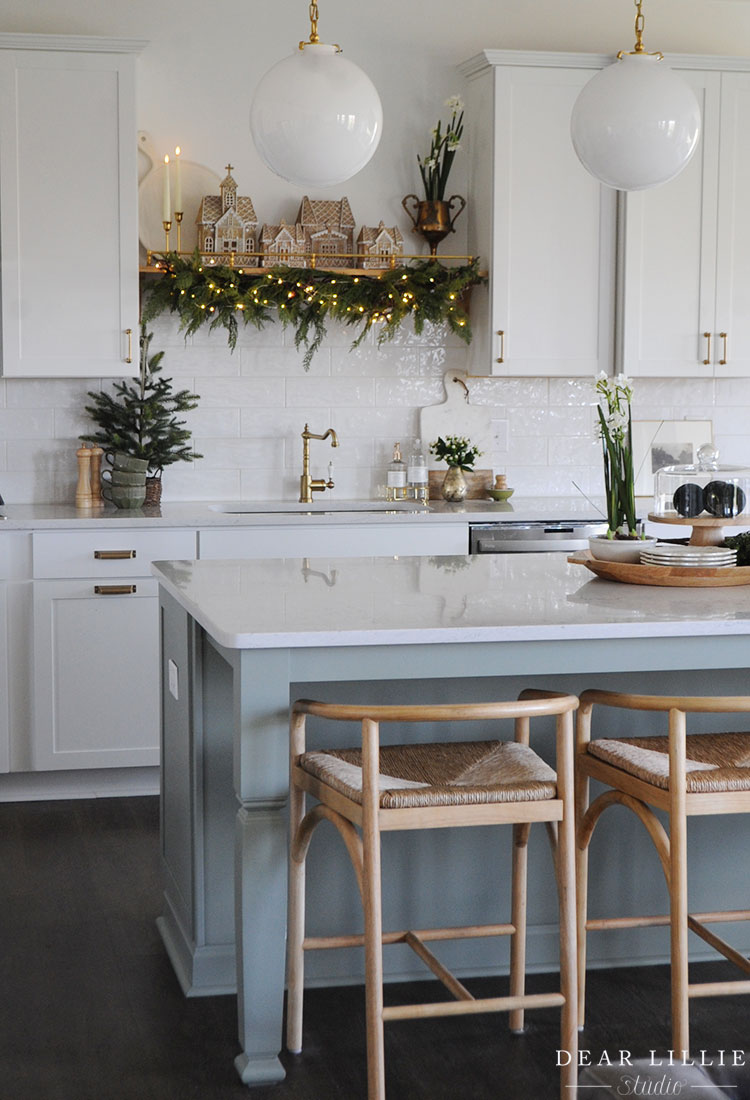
(681, 775)
(370, 789)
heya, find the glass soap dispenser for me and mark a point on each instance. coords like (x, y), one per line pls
(395, 486)
(416, 474)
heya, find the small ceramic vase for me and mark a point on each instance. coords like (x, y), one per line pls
(454, 486)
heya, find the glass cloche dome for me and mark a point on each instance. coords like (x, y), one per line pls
(703, 488)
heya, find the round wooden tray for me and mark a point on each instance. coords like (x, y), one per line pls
(663, 576)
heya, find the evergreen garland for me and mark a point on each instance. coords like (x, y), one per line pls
(138, 417)
(306, 298)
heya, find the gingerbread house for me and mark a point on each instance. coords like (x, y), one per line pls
(226, 223)
(329, 228)
(283, 245)
(378, 245)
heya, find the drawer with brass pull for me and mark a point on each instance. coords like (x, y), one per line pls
(96, 553)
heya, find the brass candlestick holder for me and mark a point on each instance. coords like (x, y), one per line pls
(178, 219)
(167, 226)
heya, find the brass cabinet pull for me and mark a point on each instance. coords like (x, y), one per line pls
(113, 555)
(707, 360)
(501, 334)
(723, 335)
(114, 589)
(129, 356)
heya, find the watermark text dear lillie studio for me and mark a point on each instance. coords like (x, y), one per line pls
(670, 1073)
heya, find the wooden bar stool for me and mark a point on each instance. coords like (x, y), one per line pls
(367, 790)
(683, 775)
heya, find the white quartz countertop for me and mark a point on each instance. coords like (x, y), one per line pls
(288, 603)
(328, 511)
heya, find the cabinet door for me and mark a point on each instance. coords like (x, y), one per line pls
(731, 350)
(96, 675)
(551, 230)
(68, 213)
(668, 239)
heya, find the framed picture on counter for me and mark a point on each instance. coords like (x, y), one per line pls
(658, 443)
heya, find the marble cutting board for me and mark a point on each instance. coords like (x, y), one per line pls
(457, 416)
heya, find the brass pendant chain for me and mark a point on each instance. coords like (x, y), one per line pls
(314, 22)
(639, 47)
(639, 21)
(314, 37)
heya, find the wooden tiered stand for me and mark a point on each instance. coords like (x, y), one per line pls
(707, 530)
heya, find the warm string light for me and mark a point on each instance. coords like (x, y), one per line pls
(425, 292)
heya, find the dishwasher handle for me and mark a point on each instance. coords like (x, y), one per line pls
(528, 546)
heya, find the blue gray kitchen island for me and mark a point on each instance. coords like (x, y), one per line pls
(240, 639)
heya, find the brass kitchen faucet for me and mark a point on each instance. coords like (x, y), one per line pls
(309, 485)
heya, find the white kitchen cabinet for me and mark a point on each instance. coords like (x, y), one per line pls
(542, 224)
(684, 301)
(335, 540)
(96, 646)
(68, 206)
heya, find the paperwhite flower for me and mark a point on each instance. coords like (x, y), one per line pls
(455, 103)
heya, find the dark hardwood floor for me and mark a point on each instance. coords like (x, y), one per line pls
(90, 1008)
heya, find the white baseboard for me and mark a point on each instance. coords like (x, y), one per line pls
(91, 783)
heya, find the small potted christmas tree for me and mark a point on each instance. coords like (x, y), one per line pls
(139, 418)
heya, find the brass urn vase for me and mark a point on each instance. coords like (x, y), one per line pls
(432, 218)
(454, 485)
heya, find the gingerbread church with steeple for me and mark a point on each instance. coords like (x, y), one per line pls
(226, 223)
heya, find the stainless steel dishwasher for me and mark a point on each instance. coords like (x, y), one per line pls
(533, 536)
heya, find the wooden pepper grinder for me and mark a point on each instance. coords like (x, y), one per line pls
(84, 498)
(96, 453)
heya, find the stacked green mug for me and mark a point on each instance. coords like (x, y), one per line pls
(125, 486)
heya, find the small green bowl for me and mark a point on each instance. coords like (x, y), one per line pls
(500, 494)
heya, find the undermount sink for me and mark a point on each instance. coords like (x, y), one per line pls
(318, 507)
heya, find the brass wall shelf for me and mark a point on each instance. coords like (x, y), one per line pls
(313, 261)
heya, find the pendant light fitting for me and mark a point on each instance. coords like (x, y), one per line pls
(316, 118)
(636, 124)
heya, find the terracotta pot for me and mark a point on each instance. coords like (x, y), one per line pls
(432, 217)
(454, 486)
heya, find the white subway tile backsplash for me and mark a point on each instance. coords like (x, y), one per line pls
(48, 393)
(23, 423)
(528, 392)
(216, 422)
(573, 451)
(255, 401)
(72, 423)
(316, 393)
(232, 454)
(240, 392)
(367, 361)
(194, 481)
(282, 362)
(202, 360)
(572, 391)
(414, 392)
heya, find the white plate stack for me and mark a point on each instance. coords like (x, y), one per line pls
(695, 557)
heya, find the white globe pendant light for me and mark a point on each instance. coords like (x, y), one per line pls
(636, 124)
(316, 118)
